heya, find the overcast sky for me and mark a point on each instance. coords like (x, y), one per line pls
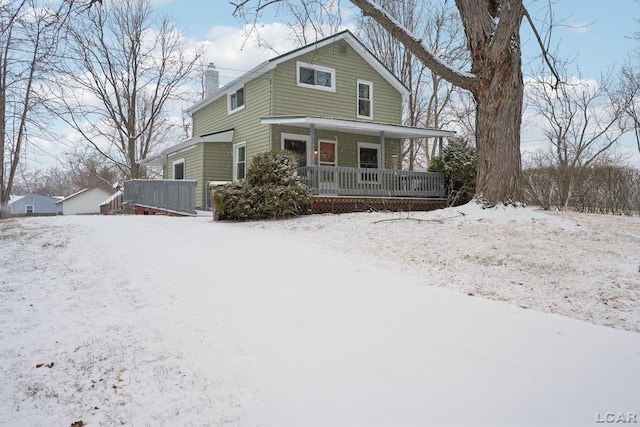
(596, 34)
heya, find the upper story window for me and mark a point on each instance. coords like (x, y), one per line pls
(235, 101)
(365, 99)
(317, 77)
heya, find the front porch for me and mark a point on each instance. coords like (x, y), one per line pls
(372, 182)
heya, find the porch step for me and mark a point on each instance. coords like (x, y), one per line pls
(342, 204)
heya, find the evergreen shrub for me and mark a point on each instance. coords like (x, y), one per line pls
(272, 189)
(458, 162)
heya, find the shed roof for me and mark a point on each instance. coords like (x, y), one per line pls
(159, 159)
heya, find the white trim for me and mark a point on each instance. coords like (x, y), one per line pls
(298, 137)
(235, 92)
(355, 126)
(314, 67)
(184, 168)
(370, 84)
(236, 148)
(26, 208)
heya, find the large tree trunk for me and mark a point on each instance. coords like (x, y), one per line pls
(492, 32)
(498, 120)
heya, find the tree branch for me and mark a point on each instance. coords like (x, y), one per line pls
(415, 45)
(545, 52)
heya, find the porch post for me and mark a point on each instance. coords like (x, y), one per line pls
(383, 184)
(382, 150)
(312, 143)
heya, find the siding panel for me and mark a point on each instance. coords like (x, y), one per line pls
(193, 165)
(350, 66)
(246, 122)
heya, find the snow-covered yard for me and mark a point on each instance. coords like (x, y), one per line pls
(456, 317)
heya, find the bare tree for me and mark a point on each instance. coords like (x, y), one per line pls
(495, 80)
(86, 169)
(431, 100)
(313, 19)
(81, 170)
(29, 34)
(582, 121)
(124, 66)
(630, 89)
(50, 182)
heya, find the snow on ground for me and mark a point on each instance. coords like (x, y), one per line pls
(578, 265)
(321, 321)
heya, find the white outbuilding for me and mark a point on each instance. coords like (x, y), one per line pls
(84, 202)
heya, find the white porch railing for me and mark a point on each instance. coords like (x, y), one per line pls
(341, 181)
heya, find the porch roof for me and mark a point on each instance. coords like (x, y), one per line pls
(356, 126)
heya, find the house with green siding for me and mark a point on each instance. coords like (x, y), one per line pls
(332, 102)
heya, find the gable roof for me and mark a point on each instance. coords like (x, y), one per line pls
(15, 199)
(83, 191)
(73, 195)
(269, 65)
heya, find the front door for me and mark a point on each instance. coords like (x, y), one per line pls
(327, 153)
(327, 158)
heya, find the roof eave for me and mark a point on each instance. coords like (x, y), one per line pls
(233, 85)
(354, 126)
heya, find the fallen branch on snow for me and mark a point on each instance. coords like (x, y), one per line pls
(440, 220)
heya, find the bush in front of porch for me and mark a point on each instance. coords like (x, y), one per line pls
(458, 162)
(272, 189)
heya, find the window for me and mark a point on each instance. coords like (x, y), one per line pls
(298, 144)
(28, 209)
(365, 99)
(317, 77)
(235, 101)
(299, 147)
(239, 160)
(369, 158)
(178, 169)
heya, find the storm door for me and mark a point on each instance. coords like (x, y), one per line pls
(327, 158)
(369, 158)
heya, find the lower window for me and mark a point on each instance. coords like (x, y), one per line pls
(239, 160)
(178, 169)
